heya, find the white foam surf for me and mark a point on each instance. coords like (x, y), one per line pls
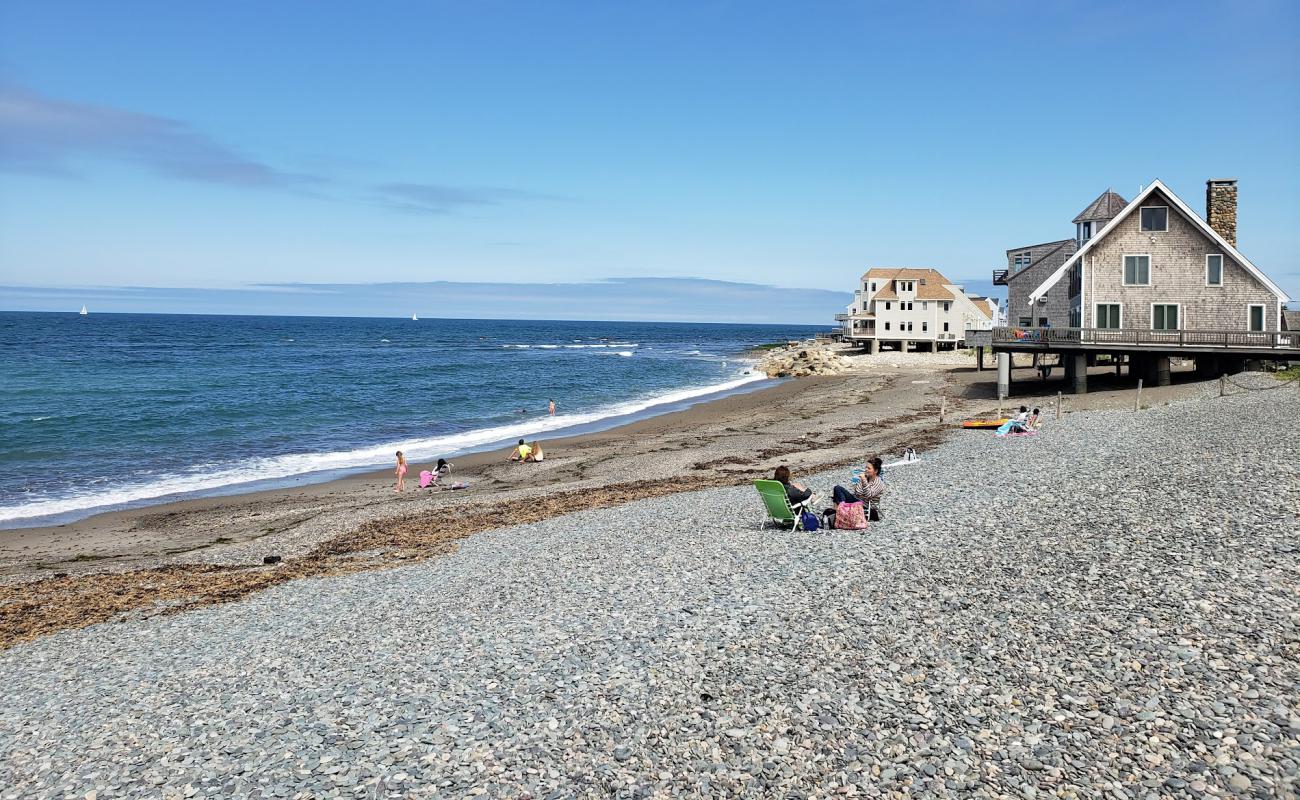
(208, 478)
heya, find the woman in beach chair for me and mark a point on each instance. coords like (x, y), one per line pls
(784, 501)
(796, 493)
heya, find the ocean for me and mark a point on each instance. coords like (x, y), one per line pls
(109, 411)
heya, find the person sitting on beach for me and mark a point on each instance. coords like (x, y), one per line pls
(868, 488)
(536, 454)
(1035, 420)
(443, 468)
(796, 493)
(521, 453)
(1020, 422)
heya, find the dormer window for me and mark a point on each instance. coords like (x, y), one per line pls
(1085, 231)
(1020, 262)
(1155, 219)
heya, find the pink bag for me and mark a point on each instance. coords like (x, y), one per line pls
(426, 478)
(850, 517)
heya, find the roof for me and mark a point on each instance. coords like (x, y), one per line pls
(1290, 320)
(1187, 213)
(1057, 243)
(1106, 206)
(1063, 243)
(932, 289)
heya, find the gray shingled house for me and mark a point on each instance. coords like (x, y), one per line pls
(1029, 266)
(1158, 266)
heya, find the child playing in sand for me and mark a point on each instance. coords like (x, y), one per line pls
(401, 472)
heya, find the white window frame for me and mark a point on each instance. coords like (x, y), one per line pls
(1095, 315)
(1219, 256)
(1165, 229)
(1152, 318)
(945, 327)
(886, 324)
(925, 326)
(1125, 257)
(947, 306)
(1263, 317)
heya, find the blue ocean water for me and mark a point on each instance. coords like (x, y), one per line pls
(111, 410)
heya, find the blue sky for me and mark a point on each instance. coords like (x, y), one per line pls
(221, 145)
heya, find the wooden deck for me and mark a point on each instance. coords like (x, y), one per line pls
(1277, 344)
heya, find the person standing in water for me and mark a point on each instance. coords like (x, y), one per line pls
(401, 472)
(552, 408)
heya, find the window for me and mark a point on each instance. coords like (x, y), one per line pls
(947, 306)
(1137, 270)
(1026, 322)
(945, 327)
(1020, 262)
(1042, 322)
(1108, 315)
(906, 306)
(909, 326)
(873, 286)
(1255, 317)
(925, 305)
(1085, 231)
(1214, 270)
(1164, 317)
(925, 326)
(1155, 218)
(886, 326)
(886, 305)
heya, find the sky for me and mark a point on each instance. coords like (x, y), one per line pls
(240, 147)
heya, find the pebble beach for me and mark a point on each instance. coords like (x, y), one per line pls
(1110, 608)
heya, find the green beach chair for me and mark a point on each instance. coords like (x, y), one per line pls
(777, 504)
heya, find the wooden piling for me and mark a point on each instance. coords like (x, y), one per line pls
(1137, 404)
(1058, 405)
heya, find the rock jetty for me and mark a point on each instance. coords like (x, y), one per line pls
(801, 359)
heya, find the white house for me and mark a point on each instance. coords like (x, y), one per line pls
(901, 306)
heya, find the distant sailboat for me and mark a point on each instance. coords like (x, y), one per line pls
(83, 311)
(414, 318)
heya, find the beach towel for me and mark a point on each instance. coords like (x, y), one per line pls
(427, 478)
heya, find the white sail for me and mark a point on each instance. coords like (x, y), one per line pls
(83, 311)
(414, 318)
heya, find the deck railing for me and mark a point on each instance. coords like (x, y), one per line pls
(1046, 337)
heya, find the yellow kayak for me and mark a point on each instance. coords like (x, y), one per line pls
(983, 423)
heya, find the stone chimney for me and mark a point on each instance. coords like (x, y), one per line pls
(1221, 207)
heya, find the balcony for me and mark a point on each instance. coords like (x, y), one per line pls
(842, 317)
(1288, 342)
(1000, 277)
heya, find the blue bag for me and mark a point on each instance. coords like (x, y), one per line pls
(809, 521)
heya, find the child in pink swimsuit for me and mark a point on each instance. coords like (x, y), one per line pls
(401, 472)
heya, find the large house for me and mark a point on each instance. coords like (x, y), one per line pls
(1156, 265)
(1029, 266)
(903, 306)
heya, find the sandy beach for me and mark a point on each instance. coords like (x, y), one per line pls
(193, 552)
(1100, 610)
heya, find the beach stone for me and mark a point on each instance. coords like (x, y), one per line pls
(1126, 633)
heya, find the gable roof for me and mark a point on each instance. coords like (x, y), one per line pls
(932, 289)
(1106, 206)
(1191, 217)
(1290, 320)
(1063, 243)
